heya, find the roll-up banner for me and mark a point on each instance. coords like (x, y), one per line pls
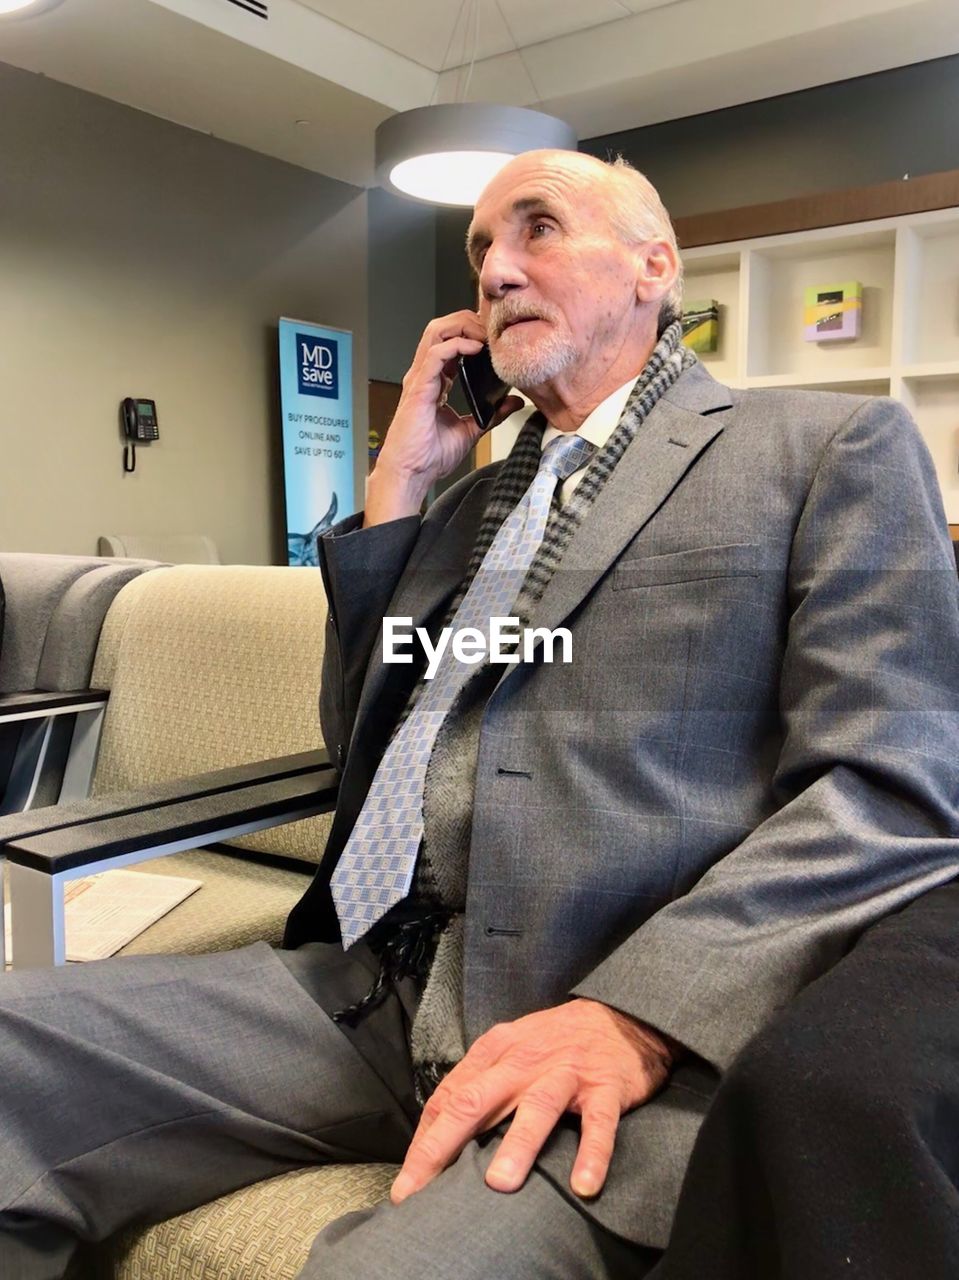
(316, 402)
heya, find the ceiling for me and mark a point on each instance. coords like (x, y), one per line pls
(310, 81)
(443, 34)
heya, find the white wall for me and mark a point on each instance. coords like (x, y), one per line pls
(141, 258)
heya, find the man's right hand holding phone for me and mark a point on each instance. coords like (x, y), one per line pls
(427, 439)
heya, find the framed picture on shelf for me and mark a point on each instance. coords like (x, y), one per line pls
(701, 326)
(833, 311)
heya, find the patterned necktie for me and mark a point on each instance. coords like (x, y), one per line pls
(375, 870)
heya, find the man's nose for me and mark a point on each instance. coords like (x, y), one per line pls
(501, 272)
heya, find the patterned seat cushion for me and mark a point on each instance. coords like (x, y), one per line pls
(211, 666)
(241, 901)
(262, 1232)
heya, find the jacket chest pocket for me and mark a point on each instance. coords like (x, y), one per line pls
(698, 564)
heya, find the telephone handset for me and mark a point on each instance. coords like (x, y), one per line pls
(140, 426)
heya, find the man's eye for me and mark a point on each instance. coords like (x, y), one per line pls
(538, 228)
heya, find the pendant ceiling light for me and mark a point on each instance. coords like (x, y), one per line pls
(446, 153)
(24, 8)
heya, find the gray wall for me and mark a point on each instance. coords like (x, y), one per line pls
(141, 258)
(454, 287)
(855, 133)
(851, 134)
(402, 280)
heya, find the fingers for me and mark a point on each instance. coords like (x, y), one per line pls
(438, 363)
(441, 358)
(479, 1092)
(484, 1053)
(464, 324)
(427, 438)
(451, 1120)
(536, 1117)
(443, 340)
(446, 1128)
(454, 1080)
(600, 1119)
(573, 1058)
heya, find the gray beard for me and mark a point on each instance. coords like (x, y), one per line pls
(531, 368)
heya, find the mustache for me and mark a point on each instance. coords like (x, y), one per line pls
(508, 311)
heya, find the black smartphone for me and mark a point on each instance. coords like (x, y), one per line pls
(484, 389)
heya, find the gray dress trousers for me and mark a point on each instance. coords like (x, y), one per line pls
(137, 1088)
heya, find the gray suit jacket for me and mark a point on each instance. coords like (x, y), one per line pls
(751, 757)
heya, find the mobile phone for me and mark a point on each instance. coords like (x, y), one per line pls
(484, 389)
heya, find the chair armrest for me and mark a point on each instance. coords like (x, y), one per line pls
(123, 838)
(36, 706)
(40, 864)
(34, 822)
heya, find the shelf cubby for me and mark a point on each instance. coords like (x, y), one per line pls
(930, 312)
(933, 400)
(718, 277)
(779, 276)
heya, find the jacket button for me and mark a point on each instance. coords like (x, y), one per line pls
(340, 754)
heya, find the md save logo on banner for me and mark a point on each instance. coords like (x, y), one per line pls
(317, 366)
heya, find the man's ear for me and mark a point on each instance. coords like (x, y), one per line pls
(657, 267)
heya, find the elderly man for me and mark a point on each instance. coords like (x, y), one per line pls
(567, 893)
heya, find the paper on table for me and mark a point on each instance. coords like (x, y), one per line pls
(102, 913)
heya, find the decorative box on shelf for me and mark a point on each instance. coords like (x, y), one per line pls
(833, 311)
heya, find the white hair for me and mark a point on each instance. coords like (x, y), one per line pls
(637, 214)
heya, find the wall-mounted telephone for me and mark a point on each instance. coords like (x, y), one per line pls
(140, 426)
(140, 420)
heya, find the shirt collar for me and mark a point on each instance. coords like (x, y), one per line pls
(602, 422)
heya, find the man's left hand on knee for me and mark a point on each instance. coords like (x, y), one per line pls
(583, 1057)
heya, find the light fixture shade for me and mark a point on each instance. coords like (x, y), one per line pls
(446, 154)
(25, 8)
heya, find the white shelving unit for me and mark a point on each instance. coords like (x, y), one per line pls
(909, 345)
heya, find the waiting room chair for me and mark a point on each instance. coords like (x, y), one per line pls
(173, 548)
(211, 671)
(49, 713)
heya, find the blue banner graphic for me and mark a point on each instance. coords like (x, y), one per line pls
(316, 401)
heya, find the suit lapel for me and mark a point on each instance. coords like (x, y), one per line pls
(674, 435)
